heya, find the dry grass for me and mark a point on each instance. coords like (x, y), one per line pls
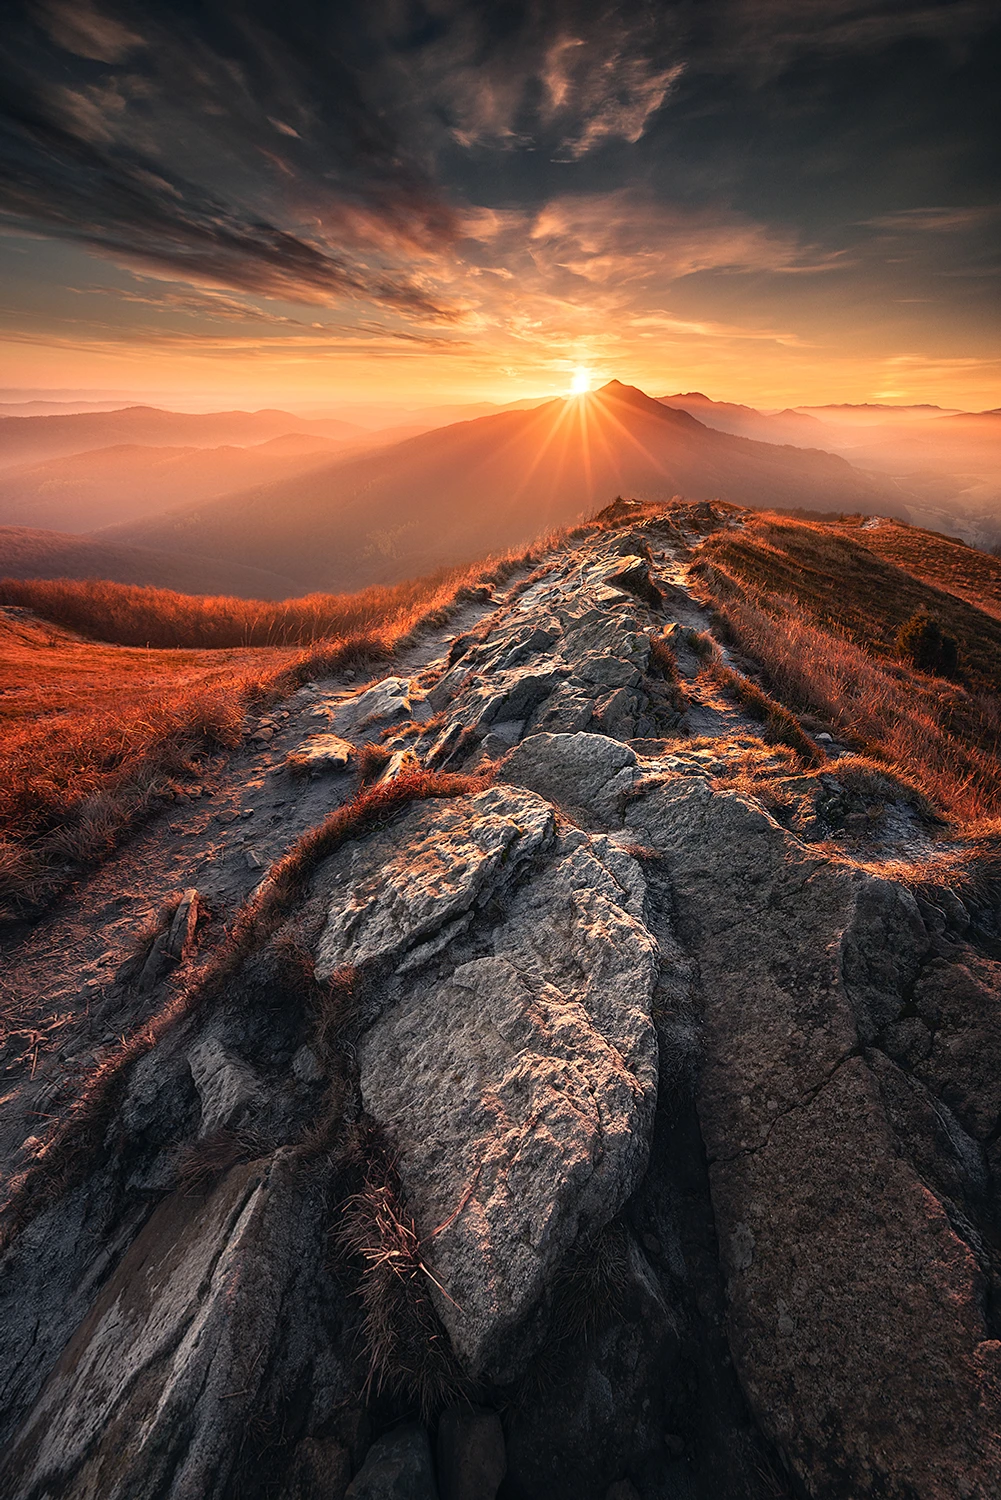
(94, 735)
(664, 664)
(372, 759)
(407, 1349)
(125, 615)
(204, 1161)
(834, 576)
(779, 725)
(825, 646)
(942, 561)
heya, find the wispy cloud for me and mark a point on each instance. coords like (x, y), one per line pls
(520, 181)
(935, 220)
(764, 37)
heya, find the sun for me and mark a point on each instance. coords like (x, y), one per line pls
(581, 382)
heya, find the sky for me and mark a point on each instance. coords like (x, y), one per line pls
(771, 201)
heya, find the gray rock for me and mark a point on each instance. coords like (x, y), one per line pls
(519, 1094)
(882, 953)
(850, 1293)
(509, 731)
(615, 715)
(579, 770)
(528, 692)
(321, 752)
(441, 857)
(609, 1390)
(174, 1350)
(632, 574)
(397, 1467)
(537, 639)
(608, 671)
(181, 934)
(386, 702)
(227, 1086)
(565, 711)
(471, 1460)
(320, 1470)
(306, 1066)
(445, 689)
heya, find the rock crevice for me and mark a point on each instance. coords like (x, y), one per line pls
(582, 1128)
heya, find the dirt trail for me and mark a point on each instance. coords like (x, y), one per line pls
(60, 1003)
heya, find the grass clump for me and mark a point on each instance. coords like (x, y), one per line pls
(407, 1349)
(779, 725)
(204, 1161)
(923, 642)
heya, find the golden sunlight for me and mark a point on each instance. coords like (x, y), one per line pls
(581, 382)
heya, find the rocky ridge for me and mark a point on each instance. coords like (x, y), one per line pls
(578, 1112)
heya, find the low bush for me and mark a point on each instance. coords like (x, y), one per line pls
(924, 643)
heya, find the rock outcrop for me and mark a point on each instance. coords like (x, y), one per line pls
(594, 1122)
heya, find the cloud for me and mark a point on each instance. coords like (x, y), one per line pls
(528, 176)
(934, 220)
(552, 76)
(764, 37)
(624, 236)
(221, 152)
(77, 27)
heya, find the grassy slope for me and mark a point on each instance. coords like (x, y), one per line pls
(939, 560)
(127, 615)
(819, 609)
(92, 734)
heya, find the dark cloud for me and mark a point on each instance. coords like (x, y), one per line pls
(229, 148)
(317, 153)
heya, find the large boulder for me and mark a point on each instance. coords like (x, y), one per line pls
(425, 874)
(856, 1310)
(590, 771)
(518, 1092)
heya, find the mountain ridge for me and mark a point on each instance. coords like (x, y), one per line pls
(495, 482)
(547, 1014)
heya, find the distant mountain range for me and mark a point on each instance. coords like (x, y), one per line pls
(787, 426)
(267, 502)
(32, 439)
(81, 492)
(496, 482)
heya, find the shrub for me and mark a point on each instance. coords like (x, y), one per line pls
(924, 643)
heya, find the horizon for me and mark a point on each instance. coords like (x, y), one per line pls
(458, 205)
(77, 401)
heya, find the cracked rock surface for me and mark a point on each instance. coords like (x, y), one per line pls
(619, 1096)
